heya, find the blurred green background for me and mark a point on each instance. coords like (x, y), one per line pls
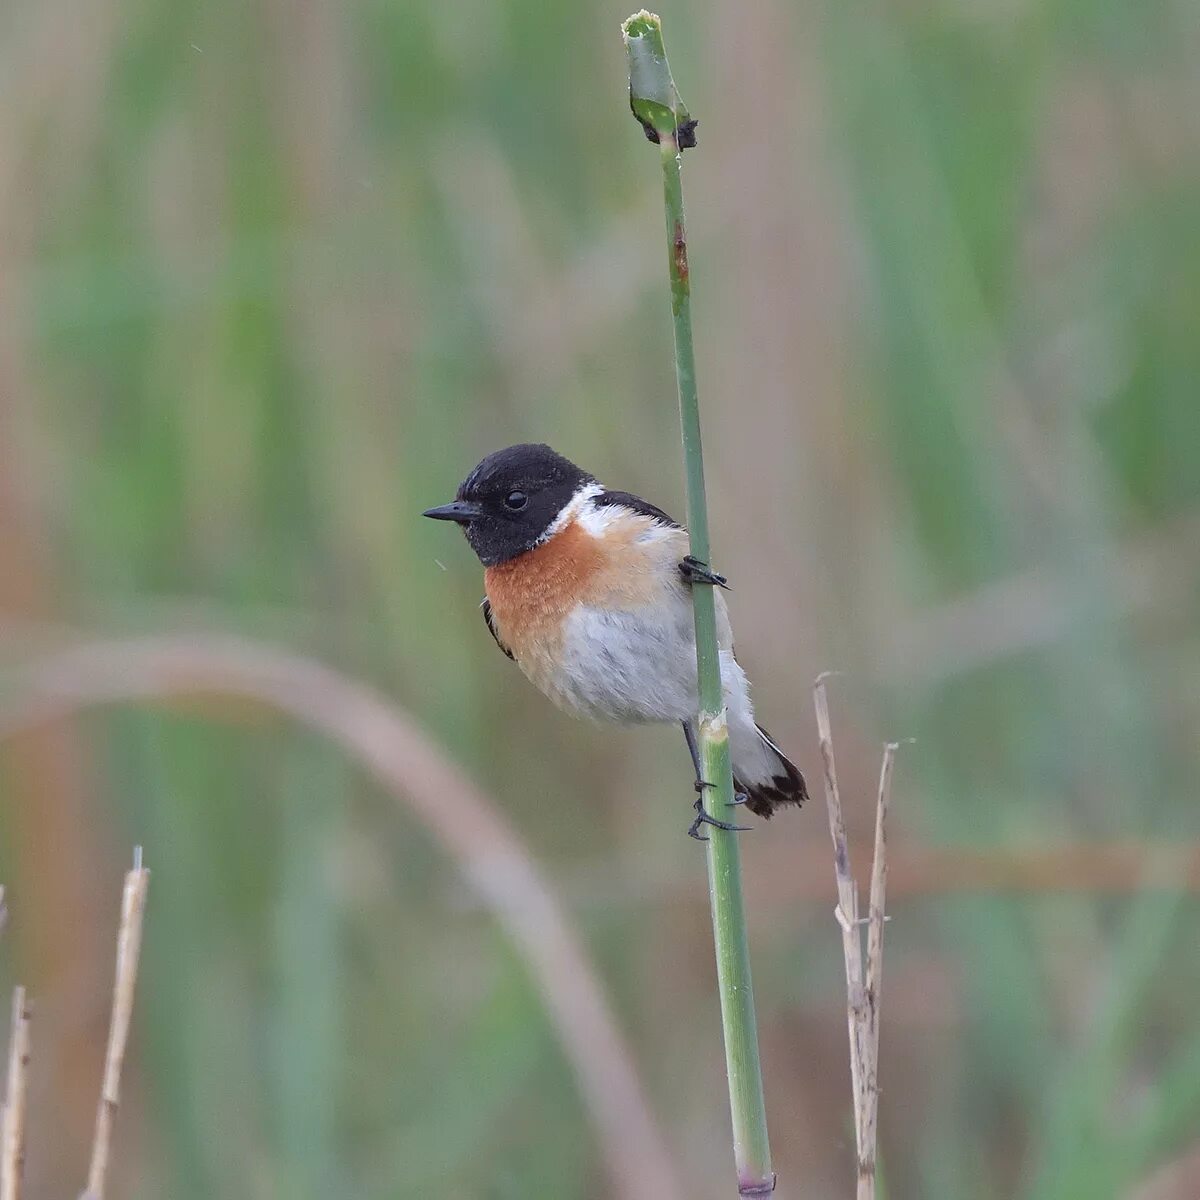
(273, 276)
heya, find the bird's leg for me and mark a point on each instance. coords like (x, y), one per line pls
(694, 751)
(695, 571)
(702, 818)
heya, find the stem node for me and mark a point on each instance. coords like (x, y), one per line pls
(758, 1189)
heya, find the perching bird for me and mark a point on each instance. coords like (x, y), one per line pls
(588, 592)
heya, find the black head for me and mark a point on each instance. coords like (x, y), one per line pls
(506, 504)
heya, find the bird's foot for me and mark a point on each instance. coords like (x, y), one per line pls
(702, 818)
(702, 785)
(694, 571)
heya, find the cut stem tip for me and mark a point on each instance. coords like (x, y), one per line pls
(653, 96)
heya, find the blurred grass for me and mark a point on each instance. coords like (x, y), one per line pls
(275, 276)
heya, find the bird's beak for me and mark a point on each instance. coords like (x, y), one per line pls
(461, 511)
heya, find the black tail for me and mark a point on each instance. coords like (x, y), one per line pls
(785, 785)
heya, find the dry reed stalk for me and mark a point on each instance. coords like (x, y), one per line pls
(12, 1151)
(875, 921)
(863, 983)
(129, 946)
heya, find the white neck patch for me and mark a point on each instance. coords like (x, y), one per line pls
(597, 521)
(577, 508)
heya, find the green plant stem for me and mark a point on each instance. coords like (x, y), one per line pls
(656, 104)
(751, 1147)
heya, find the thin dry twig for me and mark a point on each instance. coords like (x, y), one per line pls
(875, 922)
(129, 946)
(863, 984)
(468, 824)
(846, 911)
(12, 1151)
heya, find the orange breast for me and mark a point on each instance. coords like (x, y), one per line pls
(532, 593)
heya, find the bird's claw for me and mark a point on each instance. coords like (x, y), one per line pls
(694, 571)
(702, 818)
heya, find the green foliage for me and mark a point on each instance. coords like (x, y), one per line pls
(274, 278)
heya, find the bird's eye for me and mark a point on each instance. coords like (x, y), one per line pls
(516, 501)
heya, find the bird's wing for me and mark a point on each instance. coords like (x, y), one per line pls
(636, 504)
(486, 605)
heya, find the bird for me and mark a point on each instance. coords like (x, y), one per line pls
(588, 592)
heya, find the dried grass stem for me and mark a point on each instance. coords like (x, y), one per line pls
(863, 978)
(12, 1149)
(129, 945)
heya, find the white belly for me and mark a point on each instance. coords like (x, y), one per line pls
(631, 665)
(639, 665)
